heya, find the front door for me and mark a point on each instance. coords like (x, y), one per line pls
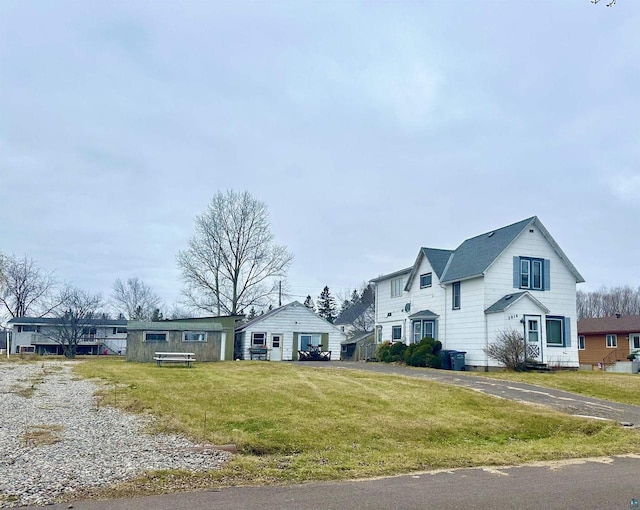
(634, 342)
(276, 347)
(533, 337)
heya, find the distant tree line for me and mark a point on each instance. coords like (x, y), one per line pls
(607, 302)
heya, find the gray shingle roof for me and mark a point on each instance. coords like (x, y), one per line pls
(475, 255)
(351, 313)
(438, 259)
(506, 301)
(424, 314)
(612, 325)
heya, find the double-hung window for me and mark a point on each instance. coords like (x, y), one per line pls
(531, 273)
(612, 341)
(258, 339)
(425, 280)
(455, 296)
(581, 342)
(396, 333)
(396, 287)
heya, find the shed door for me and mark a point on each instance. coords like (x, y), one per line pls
(276, 347)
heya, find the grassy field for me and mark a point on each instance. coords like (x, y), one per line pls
(624, 388)
(293, 423)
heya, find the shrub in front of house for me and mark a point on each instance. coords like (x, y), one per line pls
(388, 352)
(424, 353)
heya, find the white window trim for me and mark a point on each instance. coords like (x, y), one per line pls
(264, 338)
(145, 333)
(614, 344)
(426, 286)
(631, 341)
(581, 341)
(562, 339)
(396, 327)
(396, 287)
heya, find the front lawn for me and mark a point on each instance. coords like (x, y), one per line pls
(293, 423)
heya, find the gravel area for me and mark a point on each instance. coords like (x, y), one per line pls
(54, 439)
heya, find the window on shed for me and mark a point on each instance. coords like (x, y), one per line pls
(156, 336)
(581, 342)
(194, 336)
(258, 339)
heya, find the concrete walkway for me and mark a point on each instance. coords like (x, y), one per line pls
(563, 401)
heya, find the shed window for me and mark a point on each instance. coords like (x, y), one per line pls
(258, 339)
(156, 336)
(194, 336)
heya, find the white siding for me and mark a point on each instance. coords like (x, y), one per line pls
(560, 299)
(290, 319)
(469, 329)
(391, 311)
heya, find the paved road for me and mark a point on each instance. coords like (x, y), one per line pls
(563, 401)
(604, 483)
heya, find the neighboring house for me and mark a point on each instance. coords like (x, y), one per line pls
(359, 347)
(286, 330)
(514, 277)
(603, 341)
(32, 334)
(206, 338)
(356, 319)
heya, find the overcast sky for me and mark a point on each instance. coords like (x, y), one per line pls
(369, 129)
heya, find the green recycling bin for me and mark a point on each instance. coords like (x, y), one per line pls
(457, 360)
(445, 358)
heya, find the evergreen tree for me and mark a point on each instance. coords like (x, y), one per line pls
(309, 303)
(346, 304)
(326, 305)
(252, 313)
(355, 297)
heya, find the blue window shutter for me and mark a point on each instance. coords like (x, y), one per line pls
(516, 272)
(435, 329)
(546, 274)
(567, 332)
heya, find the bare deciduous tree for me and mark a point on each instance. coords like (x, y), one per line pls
(79, 312)
(25, 288)
(134, 299)
(509, 348)
(607, 302)
(232, 262)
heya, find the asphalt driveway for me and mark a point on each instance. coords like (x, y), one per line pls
(563, 401)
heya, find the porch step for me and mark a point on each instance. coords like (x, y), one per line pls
(537, 366)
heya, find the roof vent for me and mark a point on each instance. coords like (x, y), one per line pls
(507, 298)
(618, 315)
(491, 234)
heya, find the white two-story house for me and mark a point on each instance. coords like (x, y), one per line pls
(512, 278)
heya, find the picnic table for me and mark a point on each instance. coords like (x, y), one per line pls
(174, 357)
